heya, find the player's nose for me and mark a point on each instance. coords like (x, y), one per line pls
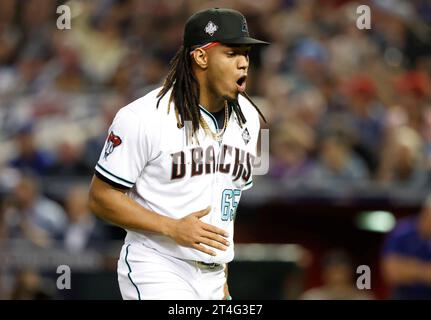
(243, 62)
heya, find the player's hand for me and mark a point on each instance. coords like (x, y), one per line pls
(191, 232)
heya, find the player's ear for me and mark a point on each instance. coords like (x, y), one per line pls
(201, 58)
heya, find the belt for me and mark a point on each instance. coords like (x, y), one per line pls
(204, 265)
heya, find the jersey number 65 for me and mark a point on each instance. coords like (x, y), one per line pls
(229, 203)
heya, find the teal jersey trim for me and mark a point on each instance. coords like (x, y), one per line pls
(211, 116)
(103, 169)
(130, 271)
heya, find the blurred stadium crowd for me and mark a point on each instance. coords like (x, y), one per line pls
(345, 107)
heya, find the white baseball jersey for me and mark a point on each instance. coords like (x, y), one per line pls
(147, 152)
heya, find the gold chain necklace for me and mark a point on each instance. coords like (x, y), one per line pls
(218, 135)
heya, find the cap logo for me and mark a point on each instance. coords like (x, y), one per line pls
(244, 26)
(211, 28)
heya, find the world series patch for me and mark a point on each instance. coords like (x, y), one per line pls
(246, 136)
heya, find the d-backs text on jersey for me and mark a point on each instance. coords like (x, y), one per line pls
(199, 161)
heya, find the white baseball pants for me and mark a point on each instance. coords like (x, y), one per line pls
(147, 274)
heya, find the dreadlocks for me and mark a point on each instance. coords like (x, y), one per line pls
(185, 91)
(185, 88)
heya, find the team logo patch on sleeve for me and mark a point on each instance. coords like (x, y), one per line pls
(246, 136)
(113, 142)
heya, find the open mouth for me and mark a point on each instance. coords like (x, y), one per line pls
(241, 83)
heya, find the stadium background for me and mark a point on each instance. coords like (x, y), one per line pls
(350, 130)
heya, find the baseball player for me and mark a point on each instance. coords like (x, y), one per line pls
(176, 162)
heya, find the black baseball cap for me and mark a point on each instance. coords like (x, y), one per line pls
(218, 24)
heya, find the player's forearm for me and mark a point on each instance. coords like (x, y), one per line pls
(116, 207)
(402, 270)
(227, 295)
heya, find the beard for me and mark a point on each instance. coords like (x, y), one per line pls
(230, 100)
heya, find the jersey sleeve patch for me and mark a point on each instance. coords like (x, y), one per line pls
(112, 142)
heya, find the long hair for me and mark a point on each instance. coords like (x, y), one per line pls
(185, 88)
(185, 91)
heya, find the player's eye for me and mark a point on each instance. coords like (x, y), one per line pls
(230, 54)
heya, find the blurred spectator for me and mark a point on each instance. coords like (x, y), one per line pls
(30, 286)
(413, 91)
(36, 20)
(292, 145)
(83, 230)
(29, 157)
(31, 216)
(366, 118)
(69, 162)
(337, 162)
(403, 159)
(426, 133)
(406, 257)
(91, 150)
(309, 106)
(64, 72)
(338, 279)
(3, 227)
(97, 36)
(9, 34)
(311, 61)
